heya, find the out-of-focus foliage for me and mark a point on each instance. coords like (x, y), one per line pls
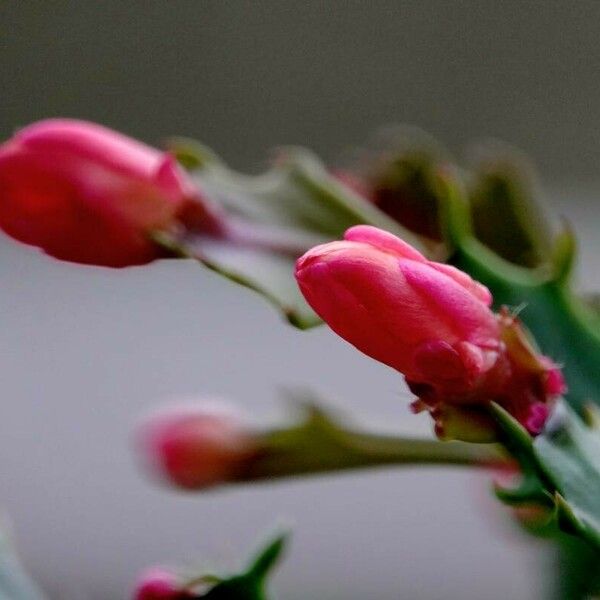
(288, 209)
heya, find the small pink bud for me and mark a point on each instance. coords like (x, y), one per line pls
(196, 447)
(159, 584)
(86, 194)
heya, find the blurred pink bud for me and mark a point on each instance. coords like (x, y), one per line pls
(159, 584)
(433, 323)
(196, 447)
(87, 194)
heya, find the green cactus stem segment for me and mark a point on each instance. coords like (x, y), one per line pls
(559, 469)
(320, 444)
(564, 327)
(251, 584)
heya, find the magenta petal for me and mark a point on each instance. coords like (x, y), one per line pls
(438, 361)
(383, 240)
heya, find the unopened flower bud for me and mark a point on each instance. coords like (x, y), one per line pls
(425, 319)
(196, 447)
(433, 323)
(86, 194)
(159, 584)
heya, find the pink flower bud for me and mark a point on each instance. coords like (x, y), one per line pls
(87, 194)
(425, 319)
(432, 323)
(159, 584)
(196, 447)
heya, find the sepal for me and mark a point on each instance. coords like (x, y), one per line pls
(250, 584)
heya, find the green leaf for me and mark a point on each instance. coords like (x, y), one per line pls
(576, 572)
(569, 454)
(277, 215)
(563, 326)
(519, 443)
(267, 557)
(297, 192)
(561, 468)
(568, 330)
(251, 584)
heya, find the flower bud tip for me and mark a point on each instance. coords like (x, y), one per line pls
(195, 447)
(159, 584)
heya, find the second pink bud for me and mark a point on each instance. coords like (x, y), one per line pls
(195, 447)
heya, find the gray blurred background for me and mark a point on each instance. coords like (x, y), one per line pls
(85, 351)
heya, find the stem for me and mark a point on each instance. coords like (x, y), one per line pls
(416, 451)
(320, 446)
